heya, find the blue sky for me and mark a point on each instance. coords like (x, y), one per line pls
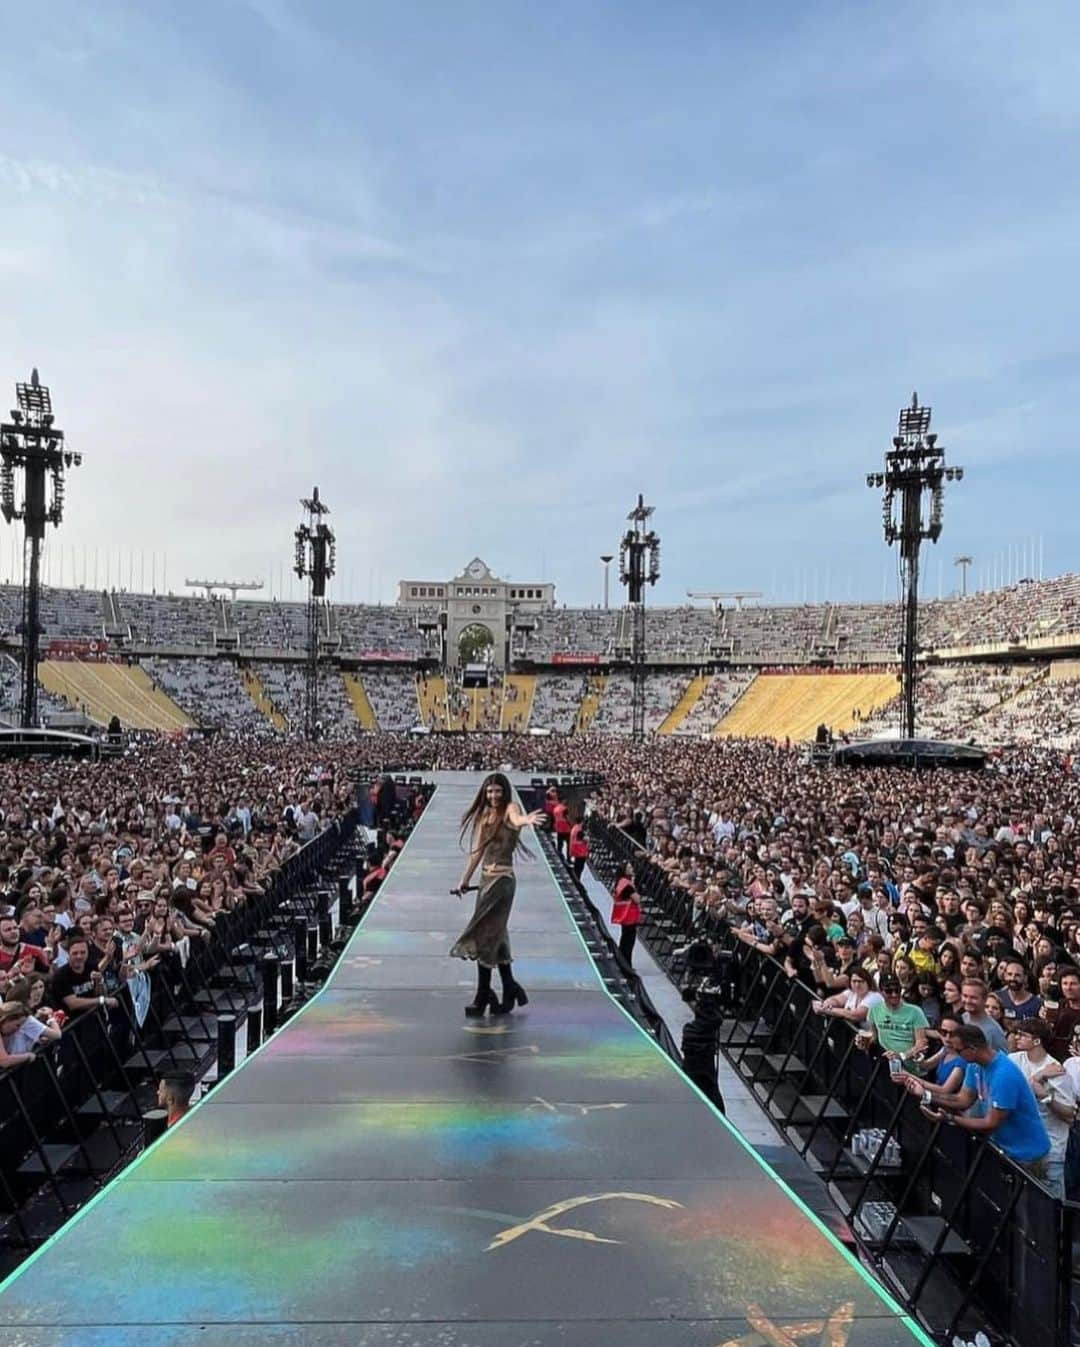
(484, 271)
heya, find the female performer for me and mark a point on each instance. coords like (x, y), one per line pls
(493, 823)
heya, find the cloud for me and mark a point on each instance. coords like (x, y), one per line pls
(485, 275)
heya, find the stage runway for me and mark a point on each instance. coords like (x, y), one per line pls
(386, 1172)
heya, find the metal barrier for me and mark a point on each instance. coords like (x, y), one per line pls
(71, 1117)
(960, 1232)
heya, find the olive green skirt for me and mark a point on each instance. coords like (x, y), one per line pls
(486, 938)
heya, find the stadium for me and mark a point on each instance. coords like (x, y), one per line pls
(998, 667)
(648, 912)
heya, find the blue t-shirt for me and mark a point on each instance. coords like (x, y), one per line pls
(945, 1068)
(1001, 1084)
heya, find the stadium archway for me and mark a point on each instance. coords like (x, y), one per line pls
(475, 644)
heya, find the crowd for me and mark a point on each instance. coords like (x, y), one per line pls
(939, 914)
(109, 869)
(920, 908)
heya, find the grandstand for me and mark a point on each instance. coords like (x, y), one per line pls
(556, 702)
(990, 666)
(104, 690)
(518, 693)
(361, 703)
(792, 706)
(393, 695)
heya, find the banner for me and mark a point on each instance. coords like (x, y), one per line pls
(387, 656)
(567, 658)
(90, 649)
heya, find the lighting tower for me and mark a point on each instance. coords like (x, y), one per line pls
(914, 468)
(31, 444)
(639, 564)
(316, 554)
(963, 563)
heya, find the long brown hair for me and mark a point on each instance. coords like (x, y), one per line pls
(473, 819)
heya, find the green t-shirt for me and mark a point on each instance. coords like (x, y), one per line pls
(895, 1029)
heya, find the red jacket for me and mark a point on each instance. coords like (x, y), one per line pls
(625, 910)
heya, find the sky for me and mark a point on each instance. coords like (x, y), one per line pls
(486, 271)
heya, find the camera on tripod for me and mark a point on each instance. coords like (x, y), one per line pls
(716, 995)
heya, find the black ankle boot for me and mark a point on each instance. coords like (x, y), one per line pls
(514, 993)
(484, 997)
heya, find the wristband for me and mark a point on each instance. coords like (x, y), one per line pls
(927, 1097)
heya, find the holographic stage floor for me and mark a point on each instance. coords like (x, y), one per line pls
(386, 1172)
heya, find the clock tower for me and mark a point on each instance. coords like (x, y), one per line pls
(476, 598)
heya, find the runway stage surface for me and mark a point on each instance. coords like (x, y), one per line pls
(385, 1172)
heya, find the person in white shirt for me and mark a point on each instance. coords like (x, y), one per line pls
(854, 1004)
(1054, 1091)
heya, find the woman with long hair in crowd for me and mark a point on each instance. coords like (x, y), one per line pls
(492, 824)
(952, 998)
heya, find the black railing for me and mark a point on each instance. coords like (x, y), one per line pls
(71, 1117)
(961, 1232)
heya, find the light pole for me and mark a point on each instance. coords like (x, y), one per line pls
(639, 565)
(963, 563)
(607, 570)
(913, 467)
(315, 560)
(31, 444)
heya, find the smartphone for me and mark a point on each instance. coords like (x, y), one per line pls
(895, 1066)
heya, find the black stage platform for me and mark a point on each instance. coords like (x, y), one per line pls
(385, 1172)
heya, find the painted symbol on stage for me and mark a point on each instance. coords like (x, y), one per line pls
(363, 961)
(539, 1222)
(545, 1106)
(493, 1056)
(764, 1332)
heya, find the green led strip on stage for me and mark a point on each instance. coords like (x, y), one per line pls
(102, 1193)
(918, 1333)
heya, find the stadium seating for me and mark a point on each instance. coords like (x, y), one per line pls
(361, 703)
(792, 706)
(518, 693)
(393, 697)
(556, 702)
(590, 702)
(102, 691)
(692, 694)
(210, 691)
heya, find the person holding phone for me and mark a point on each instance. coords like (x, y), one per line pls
(493, 825)
(945, 1064)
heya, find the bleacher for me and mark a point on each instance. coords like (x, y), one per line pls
(211, 691)
(792, 706)
(392, 694)
(556, 702)
(721, 693)
(101, 691)
(688, 697)
(662, 691)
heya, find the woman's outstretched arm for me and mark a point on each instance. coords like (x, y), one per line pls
(517, 819)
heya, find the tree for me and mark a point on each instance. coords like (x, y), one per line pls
(474, 644)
